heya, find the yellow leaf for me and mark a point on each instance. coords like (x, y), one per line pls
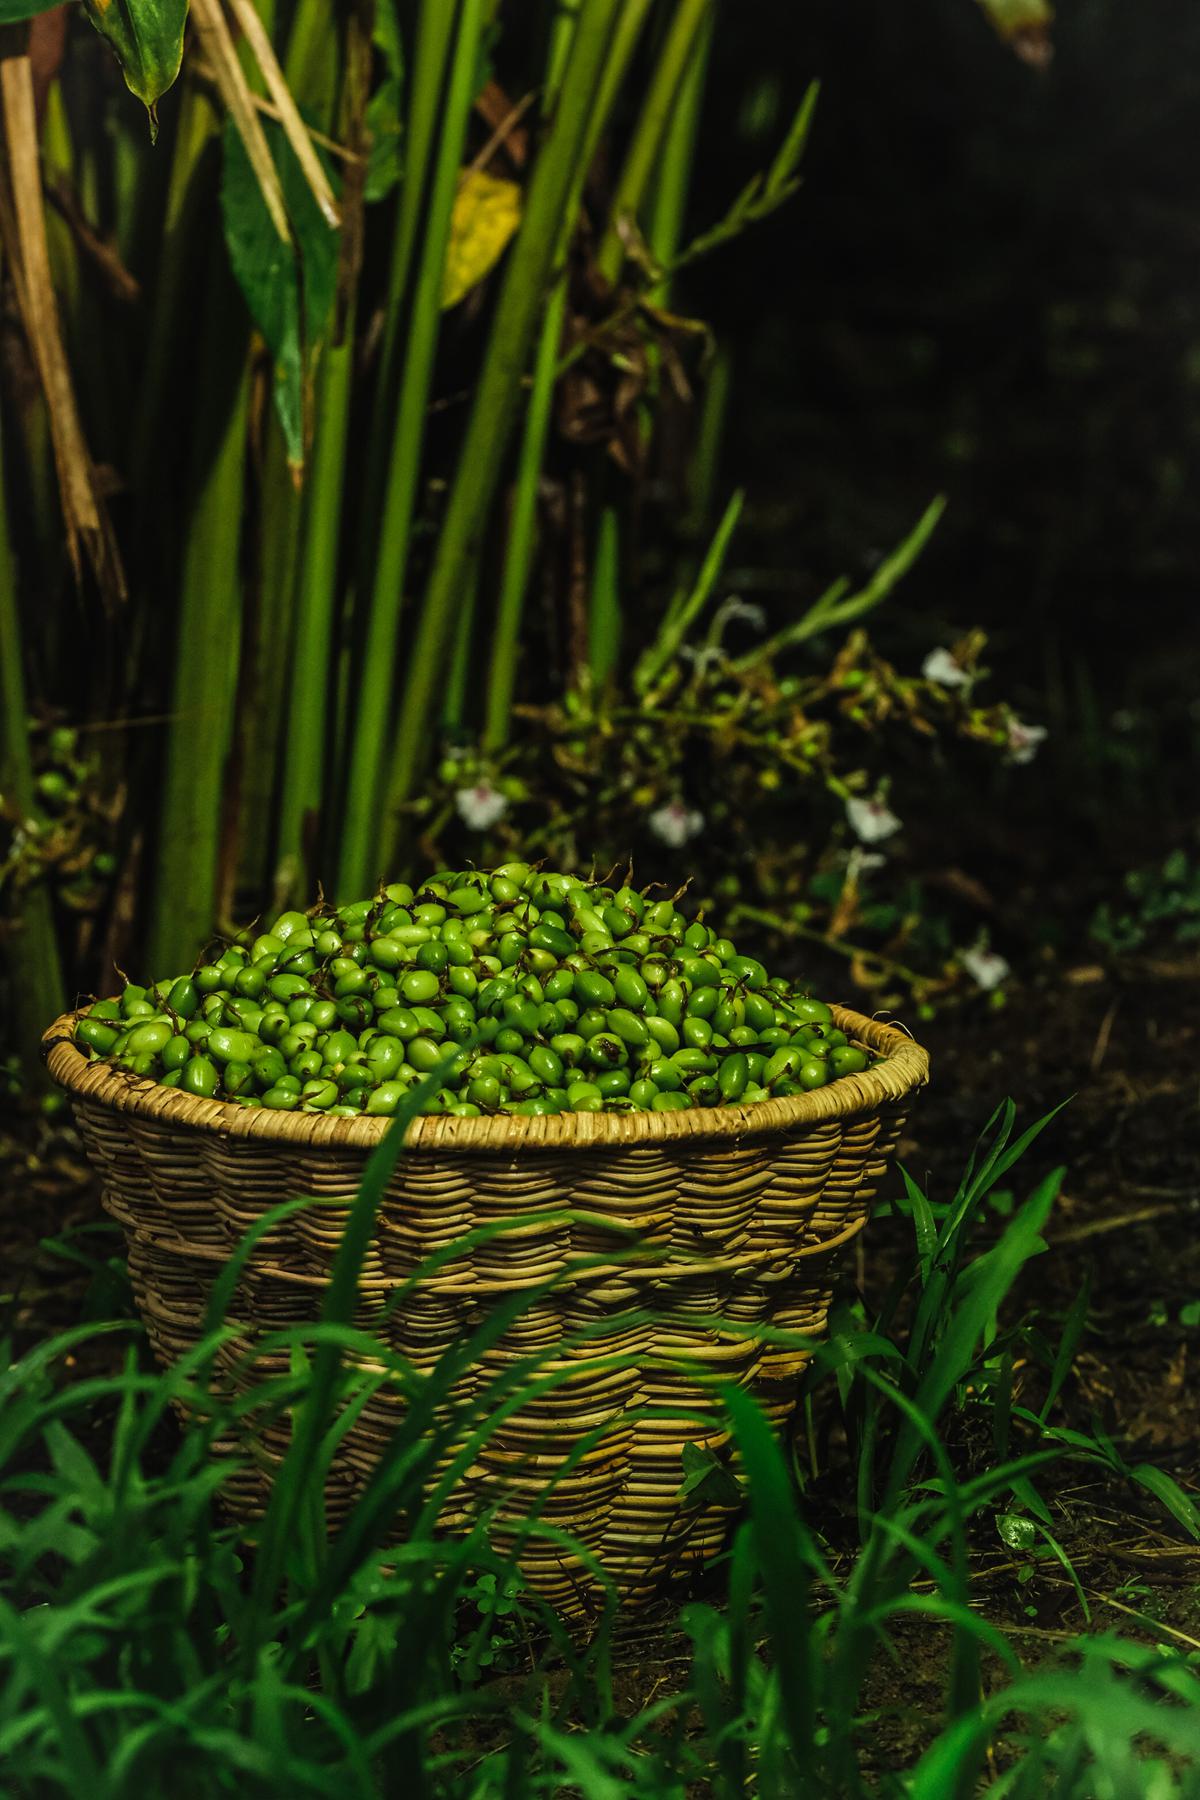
(486, 213)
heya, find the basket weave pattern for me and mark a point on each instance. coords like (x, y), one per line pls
(738, 1216)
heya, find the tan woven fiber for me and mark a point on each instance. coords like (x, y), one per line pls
(712, 1221)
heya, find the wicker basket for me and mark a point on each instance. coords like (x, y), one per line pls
(744, 1211)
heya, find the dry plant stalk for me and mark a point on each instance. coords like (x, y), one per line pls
(295, 130)
(235, 92)
(23, 226)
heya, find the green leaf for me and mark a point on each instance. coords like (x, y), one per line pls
(147, 36)
(1167, 1490)
(706, 1479)
(13, 12)
(1190, 1314)
(290, 295)
(1017, 1532)
(385, 165)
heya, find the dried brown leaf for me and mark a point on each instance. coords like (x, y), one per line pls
(23, 227)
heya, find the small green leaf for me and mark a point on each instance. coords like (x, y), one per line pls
(1018, 1532)
(706, 1480)
(147, 36)
(1190, 1314)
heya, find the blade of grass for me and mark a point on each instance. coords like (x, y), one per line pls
(832, 610)
(686, 606)
(337, 1307)
(994, 1274)
(777, 1534)
(1073, 1330)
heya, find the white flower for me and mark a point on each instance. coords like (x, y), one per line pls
(1023, 740)
(480, 806)
(870, 820)
(986, 969)
(860, 861)
(941, 667)
(675, 823)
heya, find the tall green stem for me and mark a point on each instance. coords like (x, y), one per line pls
(285, 525)
(540, 241)
(434, 35)
(604, 609)
(435, 30)
(669, 199)
(308, 701)
(454, 699)
(311, 63)
(206, 654)
(277, 573)
(705, 464)
(661, 101)
(360, 861)
(35, 982)
(518, 550)
(176, 269)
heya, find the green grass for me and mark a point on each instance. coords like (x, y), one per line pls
(147, 1648)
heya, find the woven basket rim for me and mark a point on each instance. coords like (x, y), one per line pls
(904, 1068)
